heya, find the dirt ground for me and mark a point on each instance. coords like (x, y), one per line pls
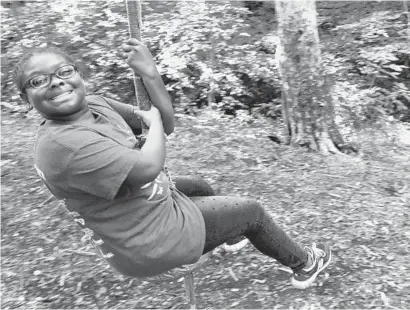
(357, 204)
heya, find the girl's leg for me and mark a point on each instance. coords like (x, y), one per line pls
(193, 186)
(229, 217)
(196, 186)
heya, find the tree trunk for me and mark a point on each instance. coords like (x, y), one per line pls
(307, 108)
(135, 25)
(212, 65)
(406, 12)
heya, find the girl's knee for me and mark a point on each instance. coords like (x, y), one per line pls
(251, 204)
(254, 213)
(254, 203)
(257, 206)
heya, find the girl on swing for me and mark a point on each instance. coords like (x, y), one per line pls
(116, 190)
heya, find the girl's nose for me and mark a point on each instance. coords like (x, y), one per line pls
(56, 81)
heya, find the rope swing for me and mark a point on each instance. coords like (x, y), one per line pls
(135, 24)
(186, 271)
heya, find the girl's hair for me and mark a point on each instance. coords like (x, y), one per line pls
(21, 65)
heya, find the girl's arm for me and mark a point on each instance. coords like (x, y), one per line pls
(152, 154)
(160, 98)
(102, 167)
(127, 113)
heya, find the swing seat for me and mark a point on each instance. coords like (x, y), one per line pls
(182, 271)
(187, 272)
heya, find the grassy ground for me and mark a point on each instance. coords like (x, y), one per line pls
(359, 205)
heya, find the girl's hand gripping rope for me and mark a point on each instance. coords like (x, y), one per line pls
(139, 58)
(150, 116)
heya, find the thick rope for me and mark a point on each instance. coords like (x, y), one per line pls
(135, 25)
(134, 14)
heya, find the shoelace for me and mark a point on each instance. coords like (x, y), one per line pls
(315, 253)
(314, 260)
(318, 252)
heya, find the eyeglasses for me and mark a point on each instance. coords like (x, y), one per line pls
(43, 80)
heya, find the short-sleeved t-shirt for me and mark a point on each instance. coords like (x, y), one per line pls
(139, 231)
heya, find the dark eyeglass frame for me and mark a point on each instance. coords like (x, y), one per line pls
(49, 75)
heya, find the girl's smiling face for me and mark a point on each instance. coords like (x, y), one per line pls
(60, 99)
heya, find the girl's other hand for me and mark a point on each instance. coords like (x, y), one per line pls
(139, 58)
(150, 116)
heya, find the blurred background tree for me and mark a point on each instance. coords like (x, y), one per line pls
(307, 108)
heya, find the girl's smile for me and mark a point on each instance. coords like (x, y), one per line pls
(62, 96)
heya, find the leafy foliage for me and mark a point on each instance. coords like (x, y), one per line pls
(216, 51)
(182, 39)
(379, 61)
(209, 50)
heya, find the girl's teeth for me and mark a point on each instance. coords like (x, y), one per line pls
(60, 95)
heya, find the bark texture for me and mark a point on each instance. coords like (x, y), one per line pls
(307, 107)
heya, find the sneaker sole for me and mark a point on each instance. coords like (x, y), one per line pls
(305, 284)
(235, 247)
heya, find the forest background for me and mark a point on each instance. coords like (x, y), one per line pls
(358, 203)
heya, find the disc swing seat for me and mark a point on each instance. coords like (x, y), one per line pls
(143, 102)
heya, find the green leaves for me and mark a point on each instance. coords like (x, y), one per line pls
(201, 49)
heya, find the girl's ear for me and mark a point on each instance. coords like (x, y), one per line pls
(24, 97)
